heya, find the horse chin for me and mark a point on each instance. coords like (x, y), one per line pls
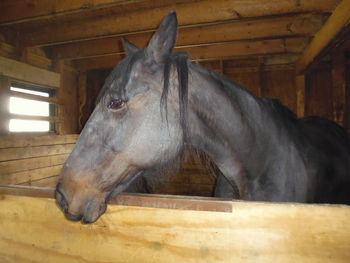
(93, 212)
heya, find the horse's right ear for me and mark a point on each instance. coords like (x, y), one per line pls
(163, 41)
(129, 48)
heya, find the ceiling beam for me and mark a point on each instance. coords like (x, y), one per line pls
(339, 19)
(20, 11)
(212, 52)
(288, 26)
(148, 19)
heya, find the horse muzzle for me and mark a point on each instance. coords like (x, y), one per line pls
(88, 210)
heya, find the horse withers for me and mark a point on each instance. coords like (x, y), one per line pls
(156, 102)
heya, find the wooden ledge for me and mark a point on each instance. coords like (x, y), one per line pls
(134, 199)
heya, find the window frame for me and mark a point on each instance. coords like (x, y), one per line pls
(52, 100)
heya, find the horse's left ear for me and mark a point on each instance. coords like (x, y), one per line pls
(163, 41)
(129, 48)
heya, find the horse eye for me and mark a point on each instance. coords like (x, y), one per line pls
(115, 104)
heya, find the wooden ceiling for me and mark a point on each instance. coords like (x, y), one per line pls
(88, 32)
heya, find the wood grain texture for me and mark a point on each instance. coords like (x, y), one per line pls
(129, 22)
(21, 71)
(35, 230)
(339, 19)
(257, 28)
(12, 141)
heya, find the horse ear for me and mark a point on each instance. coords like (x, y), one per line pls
(129, 48)
(163, 41)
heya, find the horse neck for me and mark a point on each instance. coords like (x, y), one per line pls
(243, 135)
(220, 112)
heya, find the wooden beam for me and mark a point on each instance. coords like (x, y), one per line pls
(20, 11)
(20, 140)
(35, 230)
(4, 104)
(339, 19)
(129, 23)
(294, 25)
(339, 86)
(34, 151)
(21, 71)
(213, 51)
(300, 90)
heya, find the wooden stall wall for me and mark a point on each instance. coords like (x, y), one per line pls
(33, 160)
(38, 160)
(68, 109)
(318, 93)
(35, 230)
(271, 81)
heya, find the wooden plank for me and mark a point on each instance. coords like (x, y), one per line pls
(339, 87)
(300, 94)
(30, 175)
(21, 71)
(4, 105)
(339, 19)
(128, 199)
(7, 154)
(294, 25)
(45, 182)
(20, 11)
(7, 167)
(68, 97)
(128, 23)
(25, 140)
(218, 50)
(35, 230)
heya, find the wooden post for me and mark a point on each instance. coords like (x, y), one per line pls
(82, 93)
(300, 92)
(4, 105)
(339, 87)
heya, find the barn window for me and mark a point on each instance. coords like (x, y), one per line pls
(31, 108)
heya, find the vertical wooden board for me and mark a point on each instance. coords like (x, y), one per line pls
(339, 87)
(68, 97)
(280, 84)
(35, 230)
(318, 95)
(300, 94)
(249, 80)
(94, 83)
(347, 109)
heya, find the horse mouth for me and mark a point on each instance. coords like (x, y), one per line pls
(91, 210)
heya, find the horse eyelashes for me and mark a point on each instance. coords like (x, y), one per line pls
(115, 104)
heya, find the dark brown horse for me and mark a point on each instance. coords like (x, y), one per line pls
(155, 102)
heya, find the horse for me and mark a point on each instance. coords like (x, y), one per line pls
(155, 102)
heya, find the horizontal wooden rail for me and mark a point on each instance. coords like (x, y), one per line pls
(143, 200)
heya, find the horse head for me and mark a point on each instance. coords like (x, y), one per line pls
(128, 132)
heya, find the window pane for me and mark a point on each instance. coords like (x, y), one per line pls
(39, 93)
(28, 107)
(28, 126)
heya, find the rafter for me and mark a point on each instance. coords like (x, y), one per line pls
(129, 23)
(339, 19)
(294, 25)
(212, 52)
(20, 11)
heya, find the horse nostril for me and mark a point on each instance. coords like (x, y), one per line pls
(61, 200)
(73, 217)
